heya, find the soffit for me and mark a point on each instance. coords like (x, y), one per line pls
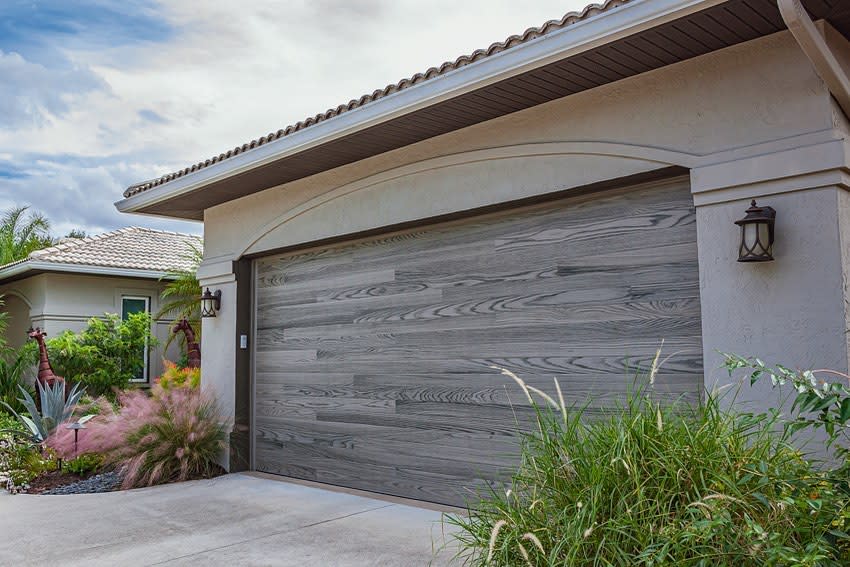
(715, 28)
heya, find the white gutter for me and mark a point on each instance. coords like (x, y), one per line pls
(623, 21)
(32, 266)
(814, 45)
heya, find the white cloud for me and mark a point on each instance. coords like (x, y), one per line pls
(31, 95)
(227, 74)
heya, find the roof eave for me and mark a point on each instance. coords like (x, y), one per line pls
(20, 270)
(628, 19)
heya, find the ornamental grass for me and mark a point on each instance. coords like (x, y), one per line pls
(651, 484)
(171, 435)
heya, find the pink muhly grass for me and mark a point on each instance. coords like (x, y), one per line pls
(172, 435)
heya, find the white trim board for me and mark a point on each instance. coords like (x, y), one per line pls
(34, 265)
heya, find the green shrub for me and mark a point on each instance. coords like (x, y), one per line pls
(103, 357)
(12, 370)
(175, 376)
(83, 465)
(654, 485)
(9, 422)
(20, 460)
(820, 404)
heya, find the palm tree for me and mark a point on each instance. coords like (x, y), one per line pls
(22, 233)
(182, 294)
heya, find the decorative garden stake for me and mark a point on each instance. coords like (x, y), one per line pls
(46, 376)
(756, 234)
(193, 349)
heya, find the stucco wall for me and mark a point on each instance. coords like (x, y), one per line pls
(18, 311)
(676, 115)
(788, 311)
(749, 121)
(59, 302)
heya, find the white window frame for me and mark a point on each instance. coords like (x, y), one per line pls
(146, 370)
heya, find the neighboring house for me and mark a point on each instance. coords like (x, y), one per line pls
(61, 287)
(555, 205)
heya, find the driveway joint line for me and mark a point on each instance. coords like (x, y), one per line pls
(220, 547)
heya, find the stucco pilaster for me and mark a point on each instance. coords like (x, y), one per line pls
(792, 310)
(218, 356)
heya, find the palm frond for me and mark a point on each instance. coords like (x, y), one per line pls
(22, 233)
(181, 296)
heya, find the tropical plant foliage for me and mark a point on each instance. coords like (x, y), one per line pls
(20, 459)
(4, 324)
(55, 409)
(13, 367)
(181, 296)
(653, 485)
(104, 356)
(179, 377)
(22, 232)
(819, 403)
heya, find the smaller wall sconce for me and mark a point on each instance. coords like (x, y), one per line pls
(210, 303)
(756, 234)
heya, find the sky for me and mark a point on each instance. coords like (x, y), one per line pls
(96, 95)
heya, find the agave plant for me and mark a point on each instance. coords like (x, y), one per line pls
(55, 409)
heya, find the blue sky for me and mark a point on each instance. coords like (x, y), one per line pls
(96, 95)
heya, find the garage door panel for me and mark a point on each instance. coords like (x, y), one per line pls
(331, 311)
(310, 407)
(458, 457)
(415, 456)
(476, 398)
(513, 230)
(582, 215)
(434, 305)
(432, 321)
(465, 340)
(372, 358)
(622, 294)
(536, 265)
(687, 360)
(412, 353)
(412, 483)
(410, 429)
(513, 279)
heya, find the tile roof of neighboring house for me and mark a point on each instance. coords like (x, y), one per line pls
(463, 60)
(133, 248)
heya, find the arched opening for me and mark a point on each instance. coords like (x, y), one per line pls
(18, 311)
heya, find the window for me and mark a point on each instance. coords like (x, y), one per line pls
(129, 305)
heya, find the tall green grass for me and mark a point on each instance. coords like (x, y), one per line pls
(655, 485)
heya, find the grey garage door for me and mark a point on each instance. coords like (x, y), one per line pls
(372, 362)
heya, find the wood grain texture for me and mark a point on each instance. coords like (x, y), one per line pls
(373, 358)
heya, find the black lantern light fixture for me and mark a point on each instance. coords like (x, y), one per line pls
(756, 234)
(210, 303)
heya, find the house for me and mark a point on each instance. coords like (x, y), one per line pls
(125, 271)
(554, 205)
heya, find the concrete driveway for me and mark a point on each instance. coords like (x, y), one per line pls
(238, 519)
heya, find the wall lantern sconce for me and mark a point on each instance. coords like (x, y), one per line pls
(210, 303)
(757, 234)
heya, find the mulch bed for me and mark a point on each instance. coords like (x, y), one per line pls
(58, 482)
(53, 479)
